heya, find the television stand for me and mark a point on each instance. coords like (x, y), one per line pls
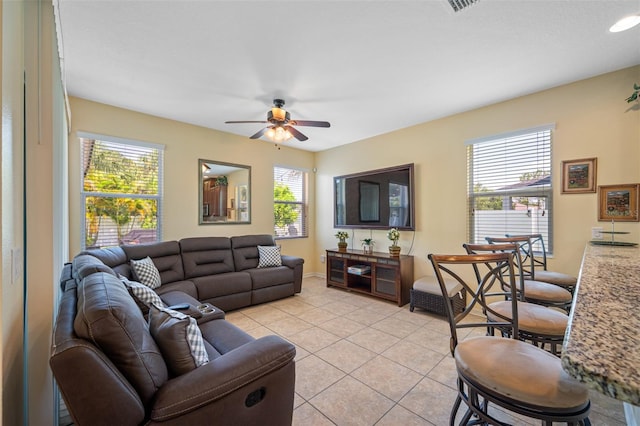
(376, 274)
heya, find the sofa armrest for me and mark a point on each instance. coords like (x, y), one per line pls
(220, 377)
(291, 261)
(295, 263)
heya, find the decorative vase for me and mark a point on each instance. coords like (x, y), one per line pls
(394, 251)
(342, 246)
(367, 249)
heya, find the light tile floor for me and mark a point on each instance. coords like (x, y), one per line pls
(363, 361)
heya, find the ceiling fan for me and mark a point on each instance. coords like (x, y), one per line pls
(281, 125)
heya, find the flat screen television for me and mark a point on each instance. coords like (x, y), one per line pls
(376, 199)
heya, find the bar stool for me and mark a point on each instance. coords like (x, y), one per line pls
(540, 271)
(535, 291)
(539, 325)
(507, 372)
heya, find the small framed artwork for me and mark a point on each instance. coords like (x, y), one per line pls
(579, 176)
(618, 203)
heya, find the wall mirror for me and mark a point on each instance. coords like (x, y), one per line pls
(225, 193)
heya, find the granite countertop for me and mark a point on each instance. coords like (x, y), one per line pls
(602, 342)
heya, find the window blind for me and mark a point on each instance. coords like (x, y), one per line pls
(289, 202)
(510, 185)
(121, 192)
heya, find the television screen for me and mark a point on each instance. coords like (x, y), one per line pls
(375, 199)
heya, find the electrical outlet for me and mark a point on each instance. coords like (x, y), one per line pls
(322, 258)
(596, 233)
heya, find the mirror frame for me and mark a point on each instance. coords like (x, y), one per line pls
(201, 206)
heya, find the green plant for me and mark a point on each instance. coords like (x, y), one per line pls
(342, 236)
(284, 212)
(635, 94)
(221, 181)
(368, 242)
(394, 236)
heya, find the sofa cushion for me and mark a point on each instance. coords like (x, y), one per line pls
(143, 295)
(165, 255)
(145, 272)
(179, 338)
(187, 287)
(222, 285)
(108, 316)
(269, 256)
(202, 256)
(84, 265)
(113, 257)
(267, 277)
(245, 250)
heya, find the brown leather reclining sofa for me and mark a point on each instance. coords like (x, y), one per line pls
(109, 368)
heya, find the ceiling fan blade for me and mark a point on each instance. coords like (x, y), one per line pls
(310, 123)
(260, 133)
(237, 122)
(296, 133)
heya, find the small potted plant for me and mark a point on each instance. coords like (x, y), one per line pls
(394, 236)
(342, 240)
(636, 93)
(367, 245)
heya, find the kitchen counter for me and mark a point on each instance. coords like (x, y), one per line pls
(602, 342)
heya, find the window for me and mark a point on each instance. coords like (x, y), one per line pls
(289, 202)
(121, 191)
(510, 185)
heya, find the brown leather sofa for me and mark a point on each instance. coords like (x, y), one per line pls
(110, 370)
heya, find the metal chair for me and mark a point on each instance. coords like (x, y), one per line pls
(535, 291)
(540, 271)
(538, 324)
(507, 372)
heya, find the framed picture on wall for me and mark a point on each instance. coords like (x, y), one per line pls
(618, 203)
(579, 176)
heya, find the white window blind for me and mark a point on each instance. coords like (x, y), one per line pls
(121, 191)
(289, 202)
(510, 185)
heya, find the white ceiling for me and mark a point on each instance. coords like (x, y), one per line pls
(368, 67)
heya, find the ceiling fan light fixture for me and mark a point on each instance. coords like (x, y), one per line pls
(625, 23)
(278, 134)
(278, 114)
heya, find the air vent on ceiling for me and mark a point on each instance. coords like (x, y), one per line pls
(458, 5)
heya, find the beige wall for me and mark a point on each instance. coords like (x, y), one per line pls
(592, 120)
(185, 144)
(29, 63)
(11, 235)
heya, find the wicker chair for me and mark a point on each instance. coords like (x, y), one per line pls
(540, 271)
(507, 372)
(535, 291)
(426, 295)
(539, 325)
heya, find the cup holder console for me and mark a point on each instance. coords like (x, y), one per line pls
(206, 308)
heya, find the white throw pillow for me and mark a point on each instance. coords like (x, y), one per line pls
(143, 295)
(269, 256)
(146, 272)
(179, 339)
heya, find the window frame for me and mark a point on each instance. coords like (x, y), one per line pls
(159, 197)
(303, 205)
(540, 190)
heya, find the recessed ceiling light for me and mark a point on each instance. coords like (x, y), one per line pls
(625, 23)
